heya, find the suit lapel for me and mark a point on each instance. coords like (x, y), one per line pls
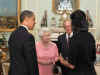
(65, 40)
(66, 50)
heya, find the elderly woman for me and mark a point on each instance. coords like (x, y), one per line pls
(47, 52)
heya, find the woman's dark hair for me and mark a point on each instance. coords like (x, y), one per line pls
(24, 14)
(79, 21)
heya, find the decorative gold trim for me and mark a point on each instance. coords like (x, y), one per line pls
(78, 4)
(53, 6)
(19, 10)
(6, 29)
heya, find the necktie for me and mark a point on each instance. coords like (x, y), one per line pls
(68, 40)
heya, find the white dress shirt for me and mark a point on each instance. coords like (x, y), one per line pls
(25, 27)
(69, 36)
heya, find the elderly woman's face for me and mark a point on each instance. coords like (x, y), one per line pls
(46, 37)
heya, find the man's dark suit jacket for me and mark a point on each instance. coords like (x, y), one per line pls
(23, 56)
(81, 53)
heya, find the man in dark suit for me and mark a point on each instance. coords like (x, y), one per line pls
(65, 46)
(23, 58)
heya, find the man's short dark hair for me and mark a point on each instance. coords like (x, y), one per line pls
(24, 14)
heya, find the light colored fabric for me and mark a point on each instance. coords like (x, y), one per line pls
(71, 35)
(25, 27)
(46, 54)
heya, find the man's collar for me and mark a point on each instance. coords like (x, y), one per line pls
(25, 27)
(71, 35)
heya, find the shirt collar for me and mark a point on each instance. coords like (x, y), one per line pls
(71, 35)
(25, 27)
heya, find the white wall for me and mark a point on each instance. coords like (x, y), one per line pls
(98, 20)
(94, 8)
(39, 6)
(91, 6)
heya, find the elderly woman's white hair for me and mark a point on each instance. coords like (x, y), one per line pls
(43, 30)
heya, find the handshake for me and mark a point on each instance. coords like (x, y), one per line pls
(66, 63)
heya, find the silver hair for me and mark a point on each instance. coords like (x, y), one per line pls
(43, 30)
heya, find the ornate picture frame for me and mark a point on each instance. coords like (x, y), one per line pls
(58, 6)
(9, 15)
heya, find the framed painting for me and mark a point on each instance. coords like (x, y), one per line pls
(9, 14)
(58, 6)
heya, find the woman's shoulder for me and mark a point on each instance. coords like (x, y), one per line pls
(53, 44)
(38, 43)
(87, 35)
(91, 37)
(90, 34)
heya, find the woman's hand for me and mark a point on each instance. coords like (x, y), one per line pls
(66, 63)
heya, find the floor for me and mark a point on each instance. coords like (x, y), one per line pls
(98, 64)
(98, 69)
